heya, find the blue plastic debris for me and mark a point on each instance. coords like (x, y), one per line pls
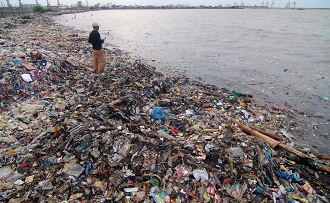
(296, 178)
(47, 162)
(87, 166)
(284, 174)
(129, 95)
(158, 114)
(16, 61)
(258, 190)
(162, 127)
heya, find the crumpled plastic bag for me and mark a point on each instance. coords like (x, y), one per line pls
(158, 114)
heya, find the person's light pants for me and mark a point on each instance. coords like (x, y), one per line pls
(99, 61)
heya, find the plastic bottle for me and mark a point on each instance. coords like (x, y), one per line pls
(158, 198)
(241, 94)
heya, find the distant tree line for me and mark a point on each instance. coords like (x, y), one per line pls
(40, 9)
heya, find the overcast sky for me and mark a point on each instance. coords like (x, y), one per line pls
(278, 3)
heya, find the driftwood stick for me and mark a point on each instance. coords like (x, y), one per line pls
(325, 156)
(267, 133)
(273, 143)
(294, 151)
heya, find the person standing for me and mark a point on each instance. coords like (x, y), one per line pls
(99, 61)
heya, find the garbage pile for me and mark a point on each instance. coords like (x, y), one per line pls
(132, 134)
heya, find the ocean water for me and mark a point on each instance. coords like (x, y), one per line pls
(282, 56)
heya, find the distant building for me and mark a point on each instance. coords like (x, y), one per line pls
(79, 3)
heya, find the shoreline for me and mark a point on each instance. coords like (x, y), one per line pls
(65, 107)
(310, 124)
(282, 84)
(300, 123)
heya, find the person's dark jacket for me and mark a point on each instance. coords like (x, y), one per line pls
(95, 40)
